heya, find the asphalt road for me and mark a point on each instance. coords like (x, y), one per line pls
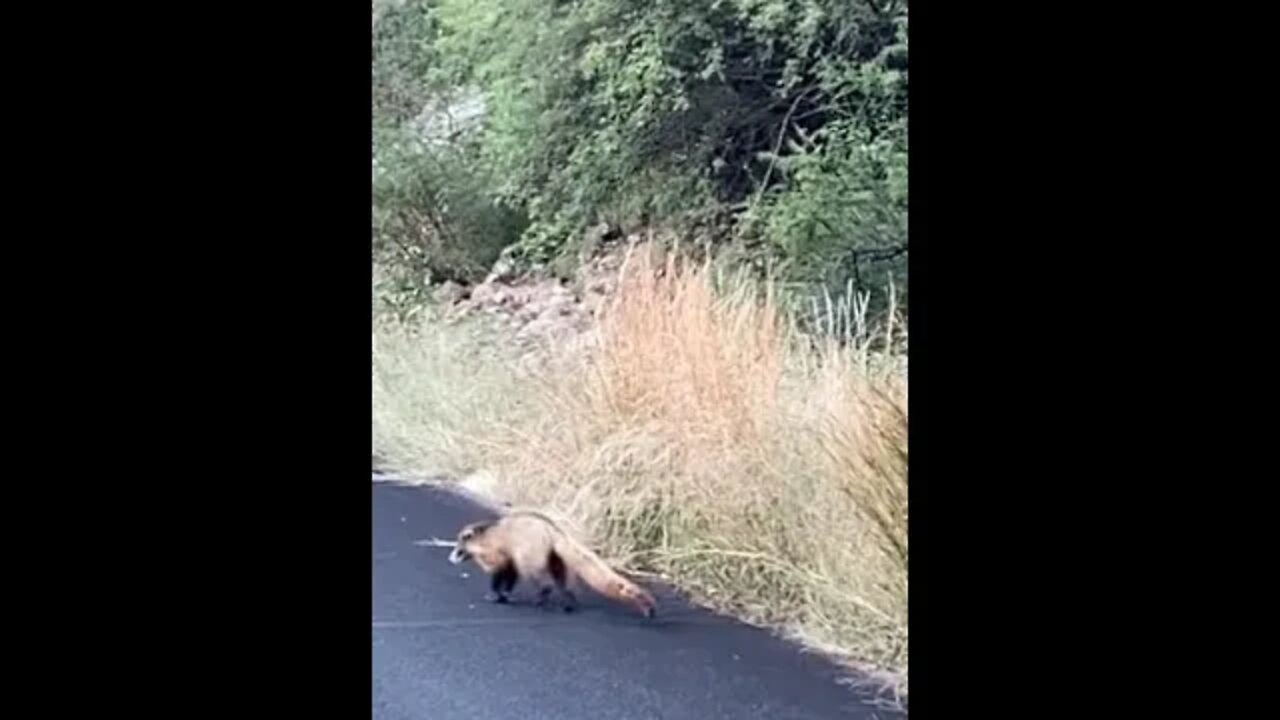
(441, 652)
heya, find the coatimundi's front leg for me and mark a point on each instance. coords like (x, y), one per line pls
(502, 582)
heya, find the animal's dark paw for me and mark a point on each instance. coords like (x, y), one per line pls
(494, 597)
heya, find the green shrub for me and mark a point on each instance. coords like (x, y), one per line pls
(780, 124)
(434, 217)
(675, 112)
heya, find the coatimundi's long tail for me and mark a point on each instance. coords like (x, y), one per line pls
(603, 579)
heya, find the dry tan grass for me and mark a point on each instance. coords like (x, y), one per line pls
(701, 437)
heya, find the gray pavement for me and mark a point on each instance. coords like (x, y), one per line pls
(441, 652)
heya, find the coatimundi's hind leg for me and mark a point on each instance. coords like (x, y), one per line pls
(559, 576)
(501, 583)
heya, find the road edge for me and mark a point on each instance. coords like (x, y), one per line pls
(870, 685)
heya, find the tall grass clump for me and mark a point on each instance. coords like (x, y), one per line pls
(704, 437)
(437, 387)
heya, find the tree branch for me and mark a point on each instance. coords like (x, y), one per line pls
(782, 134)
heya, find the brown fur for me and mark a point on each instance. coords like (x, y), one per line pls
(528, 545)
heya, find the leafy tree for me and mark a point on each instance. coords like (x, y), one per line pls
(779, 124)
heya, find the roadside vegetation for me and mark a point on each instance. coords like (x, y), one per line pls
(644, 265)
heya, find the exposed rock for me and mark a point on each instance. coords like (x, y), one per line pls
(449, 293)
(540, 309)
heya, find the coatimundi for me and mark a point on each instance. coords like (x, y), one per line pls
(528, 545)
